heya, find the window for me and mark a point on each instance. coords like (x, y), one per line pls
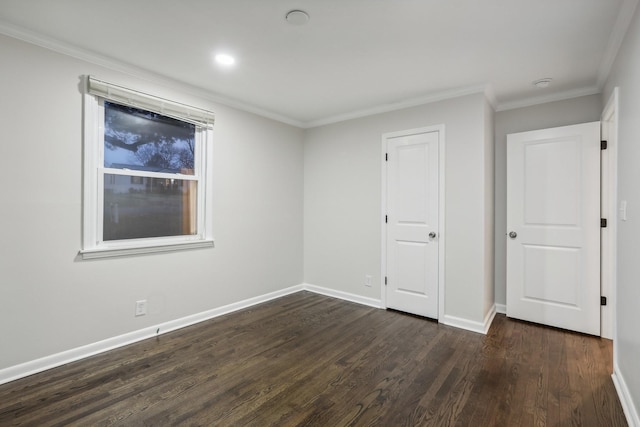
(146, 173)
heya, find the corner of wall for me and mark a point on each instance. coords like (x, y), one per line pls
(628, 407)
(470, 325)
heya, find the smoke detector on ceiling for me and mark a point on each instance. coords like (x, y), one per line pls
(297, 17)
(542, 83)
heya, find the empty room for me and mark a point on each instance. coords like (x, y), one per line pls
(326, 213)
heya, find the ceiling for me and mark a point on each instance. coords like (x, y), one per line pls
(352, 58)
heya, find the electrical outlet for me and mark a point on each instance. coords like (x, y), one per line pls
(367, 281)
(141, 307)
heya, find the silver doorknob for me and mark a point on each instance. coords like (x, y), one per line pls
(513, 234)
(432, 235)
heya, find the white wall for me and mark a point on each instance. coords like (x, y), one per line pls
(569, 112)
(626, 75)
(51, 301)
(342, 205)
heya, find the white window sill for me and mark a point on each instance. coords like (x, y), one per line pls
(138, 250)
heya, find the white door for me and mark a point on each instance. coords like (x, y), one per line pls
(553, 227)
(412, 223)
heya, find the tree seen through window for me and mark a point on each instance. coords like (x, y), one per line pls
(143, 140)
(155, 204)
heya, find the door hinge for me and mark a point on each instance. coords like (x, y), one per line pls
(385, 280)
(603, 145)
(386, 157)
(603, 300)
(603, 222)
(386, 219)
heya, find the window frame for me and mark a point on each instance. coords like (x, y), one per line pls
(94, 171)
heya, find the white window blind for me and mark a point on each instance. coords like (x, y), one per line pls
(134, 98)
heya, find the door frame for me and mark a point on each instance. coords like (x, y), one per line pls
(609, 208)
(441, 210)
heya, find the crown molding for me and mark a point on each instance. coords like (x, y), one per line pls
(120, 66)
(135, 71)
(622, 24)
(411, 102)
(552, 97)
(490, 94)
(625, 15)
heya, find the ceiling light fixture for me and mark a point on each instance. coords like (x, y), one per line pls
(226, 60)
(542, 83)
(297, 17)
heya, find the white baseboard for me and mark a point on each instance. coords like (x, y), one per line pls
(371, 302)
(470, 325)
(630, 411)
(38, 365)
(501, 308)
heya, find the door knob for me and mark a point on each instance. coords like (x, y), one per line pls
(513, 234)
(432, 235)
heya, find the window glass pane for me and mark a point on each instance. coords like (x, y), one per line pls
(139, 207)
(141, 140)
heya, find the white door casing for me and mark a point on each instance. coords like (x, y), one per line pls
(553, 226)
(412, 221)
(609, 202)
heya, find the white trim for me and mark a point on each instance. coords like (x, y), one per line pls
(552, 97)
(609, 129)
(113, 64)
(625, 15)
(138, 72)
(501, 308)
(490, 94)
(393, 106)
(93, 245)
(346, 296)
(92, 129)
(383, 224)
(471, 325)
(441, 211)
(626, 401)
(132, 172)
(105, 252)
(153, 77)
(442, 237)
(22, 370)
(32, 367)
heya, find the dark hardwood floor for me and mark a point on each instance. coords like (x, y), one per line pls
(307, 359)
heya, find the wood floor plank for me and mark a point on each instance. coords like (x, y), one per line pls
(491, 380)
(310, 360)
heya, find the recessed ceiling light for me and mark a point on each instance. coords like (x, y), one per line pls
(542, 83)
(224, 59)
(297, 17)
